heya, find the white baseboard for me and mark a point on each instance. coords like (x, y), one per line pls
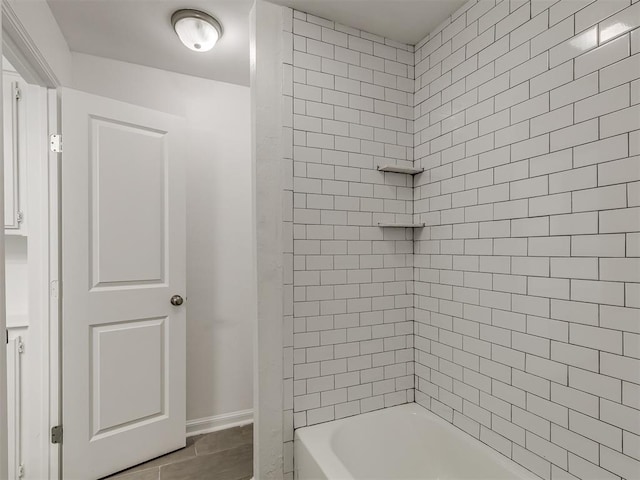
(219, 422)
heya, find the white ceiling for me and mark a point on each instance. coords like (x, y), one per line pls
(139, 31)
(406, 21)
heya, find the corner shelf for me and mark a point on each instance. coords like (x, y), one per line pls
(401, 225)
(408, 171)
(399, 169)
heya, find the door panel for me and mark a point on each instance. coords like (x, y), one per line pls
(123, 241)
(128, 237)
(112, 346)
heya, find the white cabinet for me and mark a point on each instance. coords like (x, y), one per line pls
(14, 154)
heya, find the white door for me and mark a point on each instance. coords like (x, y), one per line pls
(123, 259)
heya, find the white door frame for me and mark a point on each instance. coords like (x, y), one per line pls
(22, 52)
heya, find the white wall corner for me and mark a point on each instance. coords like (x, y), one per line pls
(266, 106)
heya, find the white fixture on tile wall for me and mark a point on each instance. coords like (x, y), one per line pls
(197, 30)
(527, 124)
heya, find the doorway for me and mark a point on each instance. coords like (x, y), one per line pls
(218, 215)
(123, 331)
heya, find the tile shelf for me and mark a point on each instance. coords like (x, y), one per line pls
(401, 225)
(399, 169)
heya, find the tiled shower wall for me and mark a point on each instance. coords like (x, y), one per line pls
(349, 98)
(527, 274)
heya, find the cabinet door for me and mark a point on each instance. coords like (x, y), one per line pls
(12, 215)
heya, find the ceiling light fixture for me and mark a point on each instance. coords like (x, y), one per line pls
(198, 30)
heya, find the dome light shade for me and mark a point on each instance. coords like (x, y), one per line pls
(197, 30)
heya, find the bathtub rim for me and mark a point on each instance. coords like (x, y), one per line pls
(324, 458)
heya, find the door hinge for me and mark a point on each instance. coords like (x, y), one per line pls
(56, 434)
(20, 471)
(21, 346)
(55, 142)
(18, 92)
(20, 217)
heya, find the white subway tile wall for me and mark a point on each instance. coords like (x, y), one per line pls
(350, 95)
(514, 313)
(526, 277)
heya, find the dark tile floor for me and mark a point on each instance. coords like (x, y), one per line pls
(223, 455)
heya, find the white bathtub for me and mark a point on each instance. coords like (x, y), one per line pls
(406, 442)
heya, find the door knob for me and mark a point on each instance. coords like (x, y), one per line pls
(177, 300)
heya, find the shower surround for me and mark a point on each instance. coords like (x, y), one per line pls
(514, 313)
